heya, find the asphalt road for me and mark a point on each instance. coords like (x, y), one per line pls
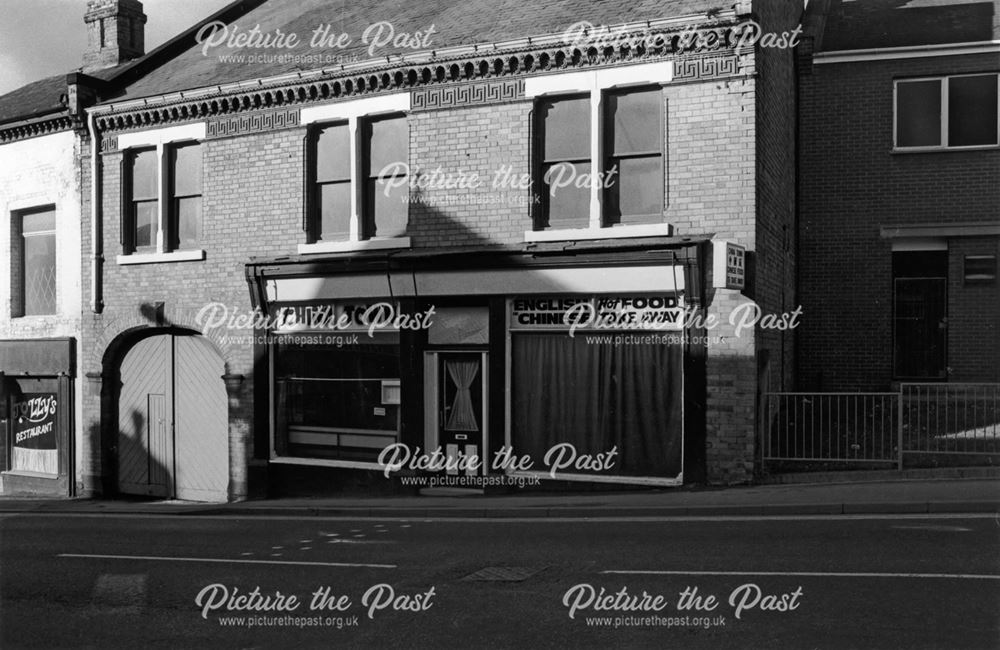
(108, 581)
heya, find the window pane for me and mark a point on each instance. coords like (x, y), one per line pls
(918, 113)
(636, 120)
(38, 222)
(144, 175)
(39, 274)
(389, 142)
(333, 154)
(335, 211)
(188, 222)
(566, 128)
(569, 205)
(186, 171)
(391, 208)
(972, 110)
(637, 189)
(329, 400)
(146, 224)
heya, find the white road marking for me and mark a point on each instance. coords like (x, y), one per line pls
(806, 574)
(944, 529)
(158, 558)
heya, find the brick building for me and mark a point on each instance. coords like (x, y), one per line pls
(899, 194)
(330, 181)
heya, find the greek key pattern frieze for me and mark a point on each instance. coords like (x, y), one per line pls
(253, 123)
(705, 67)
(467, 95)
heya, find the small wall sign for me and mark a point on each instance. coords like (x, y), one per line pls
(729, 264)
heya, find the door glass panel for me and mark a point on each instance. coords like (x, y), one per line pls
(462, 393)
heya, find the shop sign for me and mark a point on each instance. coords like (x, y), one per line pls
(351, 316)
(33, 419)
(652, 312)
(729, 267)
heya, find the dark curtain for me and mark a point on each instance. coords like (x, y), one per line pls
(597, 397)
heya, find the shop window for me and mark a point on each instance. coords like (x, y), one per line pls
(920, 334)
(155, 223)
(34, 263)
(947, 112)
(337, 403)
(378, 174)
(599, 397)
(980, 269)
(32, 425)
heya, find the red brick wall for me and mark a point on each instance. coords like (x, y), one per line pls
(851, 185)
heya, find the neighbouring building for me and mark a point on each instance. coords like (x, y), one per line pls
(45, 171)
(899, 225)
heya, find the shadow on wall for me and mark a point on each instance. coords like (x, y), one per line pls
(852, 25)
(142, 453)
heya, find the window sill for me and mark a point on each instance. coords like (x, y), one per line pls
(976, 147)
(620, 232)
(351, 246)
(29, 474)
(161, 258)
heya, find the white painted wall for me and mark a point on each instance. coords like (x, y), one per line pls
(33, 173)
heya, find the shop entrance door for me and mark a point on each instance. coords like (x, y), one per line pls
(173, 420)
(461, 406)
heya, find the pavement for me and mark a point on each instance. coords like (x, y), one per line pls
(923, 496)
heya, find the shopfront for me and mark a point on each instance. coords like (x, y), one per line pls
(36, 416)
(565, 367)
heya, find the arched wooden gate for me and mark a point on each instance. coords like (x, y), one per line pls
(173, 420)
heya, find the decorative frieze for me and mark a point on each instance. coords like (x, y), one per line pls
(472, 94)
(27, 130)
(480, 79)
(705, 68)
(253, 123)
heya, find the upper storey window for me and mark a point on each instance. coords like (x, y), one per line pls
(599, 140)
(357, 165)
(947, 112)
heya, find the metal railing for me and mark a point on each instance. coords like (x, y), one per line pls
(847, 428)
(950, 418)
(831, 427)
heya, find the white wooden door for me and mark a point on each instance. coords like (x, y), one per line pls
(145, 445)
(173, 420)
(201, 421)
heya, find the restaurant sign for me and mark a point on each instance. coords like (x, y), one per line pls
(648, 312)
(33, 420)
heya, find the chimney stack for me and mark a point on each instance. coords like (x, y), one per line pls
(115, 33)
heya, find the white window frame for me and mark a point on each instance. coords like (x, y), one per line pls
(596, 84)
(944, 146)
(162, 140)
(353, 112)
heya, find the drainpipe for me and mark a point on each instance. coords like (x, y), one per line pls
(96, 241)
